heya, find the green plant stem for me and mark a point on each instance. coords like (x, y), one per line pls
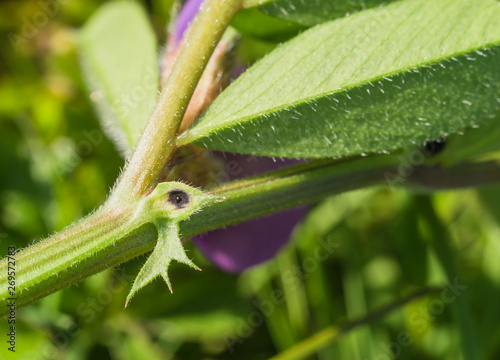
(78, 251)
(99, 240)
(332, 334)
(157, 142)
(84, 249)
(81, 251)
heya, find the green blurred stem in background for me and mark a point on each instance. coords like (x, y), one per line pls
(440, 241)
(333, 334)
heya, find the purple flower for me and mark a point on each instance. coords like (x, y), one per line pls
(186, 15)
(246, 244)
(240, 246)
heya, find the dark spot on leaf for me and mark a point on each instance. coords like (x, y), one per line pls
(178, 198)
(434, 147)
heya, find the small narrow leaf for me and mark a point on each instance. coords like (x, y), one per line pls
(169, 247)
(379, 80)
(167, 205)
(119, 61)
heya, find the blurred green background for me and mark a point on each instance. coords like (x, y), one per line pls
(382, 244)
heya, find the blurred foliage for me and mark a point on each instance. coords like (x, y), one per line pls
(56, 166)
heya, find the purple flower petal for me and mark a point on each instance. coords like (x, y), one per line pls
(186, 15)
(250, 243)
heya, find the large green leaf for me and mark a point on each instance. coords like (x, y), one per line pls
(119, 61)
(379, 80)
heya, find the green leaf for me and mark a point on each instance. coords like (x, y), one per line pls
(310, 13)
(269, 28)
(119, 61)
(376, 81)
(279, 20)
(168, 247)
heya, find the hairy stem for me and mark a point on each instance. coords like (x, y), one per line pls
(71, 255)
(95, 243)
(157, 142)
(99, 241)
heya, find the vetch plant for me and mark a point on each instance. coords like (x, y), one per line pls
(351, 96)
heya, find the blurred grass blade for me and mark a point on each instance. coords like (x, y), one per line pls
(377, 81)
(119, 61)
(332, 334)
(461, 307)
(310, 13)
